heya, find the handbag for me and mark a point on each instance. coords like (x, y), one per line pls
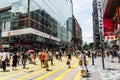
(68, 62)
(80, 62)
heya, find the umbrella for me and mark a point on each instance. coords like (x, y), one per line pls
(30, 51)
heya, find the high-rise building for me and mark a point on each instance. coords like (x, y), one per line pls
(77, 32)
(36, 23)
(97, 21)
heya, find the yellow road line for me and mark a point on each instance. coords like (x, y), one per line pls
(29, 75)
(78, 76)
(34, 67)
(18, 73)
(19, 69)
(44, 76)
(60, 77)
(1, 79)
(11, 75)
(31, 68)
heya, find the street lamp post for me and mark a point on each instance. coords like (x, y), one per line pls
(101, 47)
(101, 37)
(92, 57)
(102, 51)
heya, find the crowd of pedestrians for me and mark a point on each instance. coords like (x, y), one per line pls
(81, 55)
(47, 57)
(110, 53)
(15, 59)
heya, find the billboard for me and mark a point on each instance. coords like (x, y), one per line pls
(108, 27)
(28, 31)
(109, 38)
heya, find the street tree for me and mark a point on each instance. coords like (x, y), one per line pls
(77, 42)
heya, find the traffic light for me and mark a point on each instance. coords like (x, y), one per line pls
(97, 40)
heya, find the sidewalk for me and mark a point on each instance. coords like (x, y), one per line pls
(111, 72)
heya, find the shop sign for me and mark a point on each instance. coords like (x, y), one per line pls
(110, 37)
(28, 31)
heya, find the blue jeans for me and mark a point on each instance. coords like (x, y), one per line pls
(24, 63)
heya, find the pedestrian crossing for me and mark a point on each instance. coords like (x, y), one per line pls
(34, 72)
(61, 76)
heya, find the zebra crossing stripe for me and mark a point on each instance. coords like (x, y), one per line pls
(60, 77)
(37, 72)
(44, 76)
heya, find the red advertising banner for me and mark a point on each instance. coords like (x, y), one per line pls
(108, 27)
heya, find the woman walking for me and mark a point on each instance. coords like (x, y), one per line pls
(82, 64)
(68, 59)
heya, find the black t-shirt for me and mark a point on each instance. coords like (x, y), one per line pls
(69, 56)
(15, 57)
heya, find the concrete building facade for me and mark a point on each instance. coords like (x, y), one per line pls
(97, 21)
(77, 32)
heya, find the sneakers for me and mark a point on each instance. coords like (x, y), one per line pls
(23, 67)
(47, 69)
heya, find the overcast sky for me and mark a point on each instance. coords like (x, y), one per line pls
(83, 13)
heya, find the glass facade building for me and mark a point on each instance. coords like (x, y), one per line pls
(36, 22)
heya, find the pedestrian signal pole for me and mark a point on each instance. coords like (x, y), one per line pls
(101, 47)
(92, 57)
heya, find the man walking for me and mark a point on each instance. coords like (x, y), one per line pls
(4, 59)
(24, 58)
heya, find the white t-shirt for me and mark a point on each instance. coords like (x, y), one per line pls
(3, 55)
(81, 57)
